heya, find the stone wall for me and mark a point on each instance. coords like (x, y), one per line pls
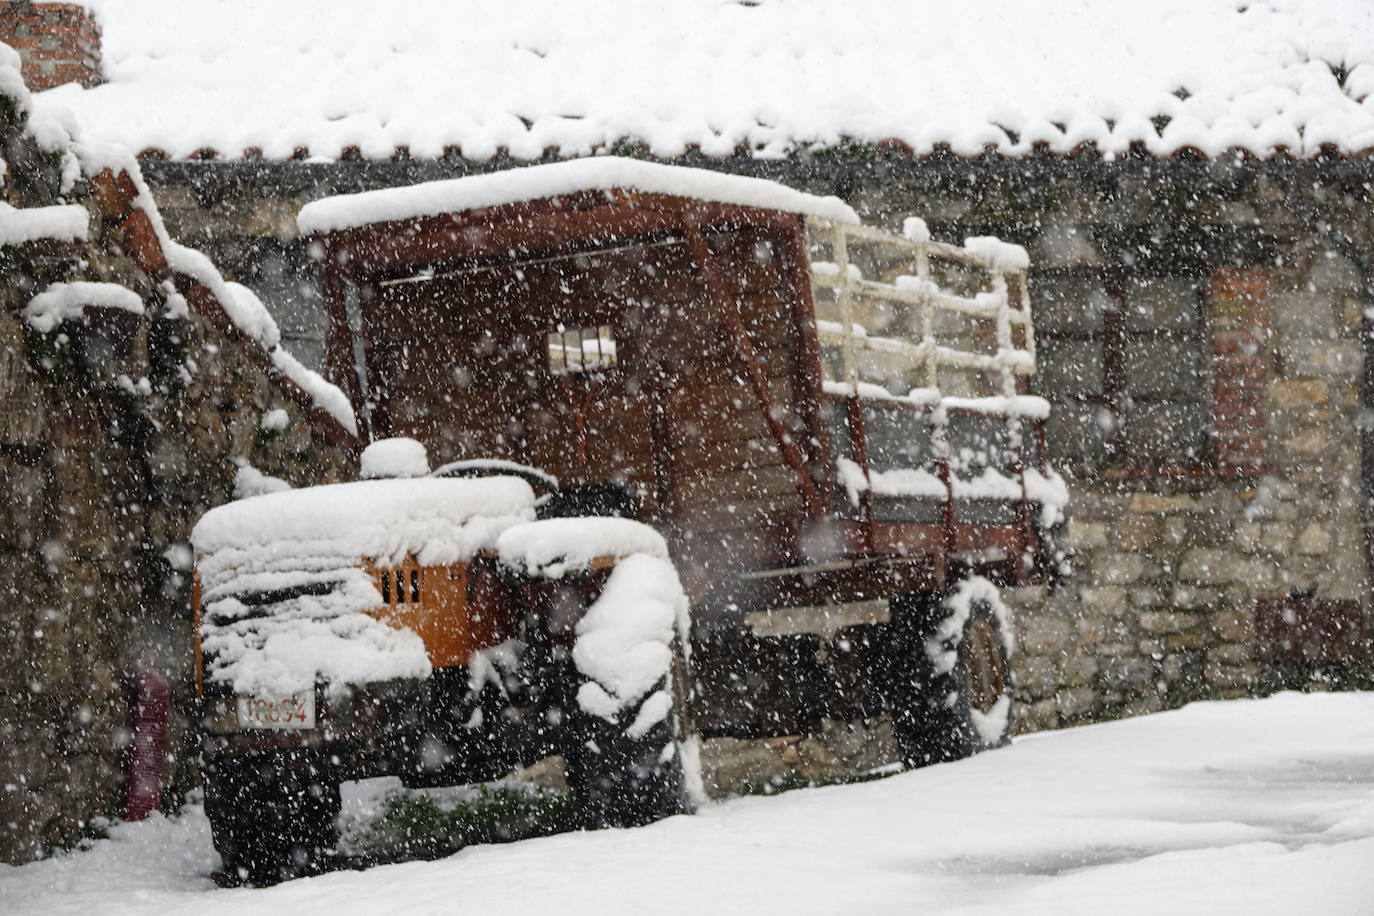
(1170, 564)
(118, 431)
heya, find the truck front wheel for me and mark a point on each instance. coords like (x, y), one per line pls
(629, 768)
(951, 686)
(272, 814)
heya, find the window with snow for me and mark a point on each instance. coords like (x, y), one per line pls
(1124, 358)
(584, 349)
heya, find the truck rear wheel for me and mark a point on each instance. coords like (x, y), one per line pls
(951, 682)
(272, 815)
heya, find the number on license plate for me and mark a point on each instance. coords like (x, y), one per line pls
(296, 711)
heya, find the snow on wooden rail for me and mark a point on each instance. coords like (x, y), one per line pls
(1004, 264)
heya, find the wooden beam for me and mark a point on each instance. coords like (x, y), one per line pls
(566, 224)
(809, 370)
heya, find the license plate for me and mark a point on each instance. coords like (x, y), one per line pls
(296, 711)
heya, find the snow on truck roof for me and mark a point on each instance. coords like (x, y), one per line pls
(763, 76)
(539, 182)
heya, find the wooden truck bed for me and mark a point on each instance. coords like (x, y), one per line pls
(770, 386)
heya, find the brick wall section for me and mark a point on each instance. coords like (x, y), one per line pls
(59, 43)
(1241, 355)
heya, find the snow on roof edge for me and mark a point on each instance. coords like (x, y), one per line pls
(770, 79)
(239, 303)
(596, 173)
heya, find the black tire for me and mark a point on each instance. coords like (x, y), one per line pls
(625, 777)
(463, 737)
(272, 815)
(950, 680)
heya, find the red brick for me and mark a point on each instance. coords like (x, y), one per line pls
(1238, 300)
(57, 43)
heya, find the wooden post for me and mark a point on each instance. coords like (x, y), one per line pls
(858, 438)
(378, 413)
(338, 352)
(844, 301)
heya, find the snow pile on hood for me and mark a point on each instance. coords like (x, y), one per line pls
(437, 520)
(398, 457)
(601, 173)
(285, 598)
(552, 547)
(322, 633)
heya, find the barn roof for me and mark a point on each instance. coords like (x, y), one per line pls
(341, 78)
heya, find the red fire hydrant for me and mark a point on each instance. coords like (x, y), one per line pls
(148, 754)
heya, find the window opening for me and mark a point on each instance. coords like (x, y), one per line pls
(1124, 361)
(580, 350)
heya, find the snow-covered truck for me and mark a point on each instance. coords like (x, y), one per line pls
(667, 405)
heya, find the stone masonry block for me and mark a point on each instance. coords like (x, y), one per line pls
(1209, 565)
(1127, 675)
(1108, 600)
(1289, 394)
(1308, 442)
(1119, 568)
(1233, 625)
(1044, 635)
(1194, 639)
(1168, 621)
(1037, 676)
(1331, 273)
(1304, 313)
(1191, 597)
(1138, 531)
(1314, 540)
(1327, 359)
(1086, 535)
(1075, 702)
(1158, 504)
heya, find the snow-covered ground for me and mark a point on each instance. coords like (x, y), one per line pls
(1245, 807)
